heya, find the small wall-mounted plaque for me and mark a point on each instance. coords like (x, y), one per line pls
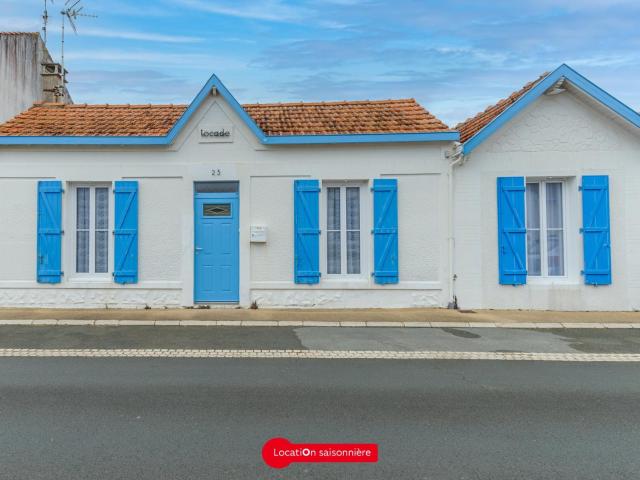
(258, 234)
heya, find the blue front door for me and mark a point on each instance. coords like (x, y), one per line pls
(216, 247)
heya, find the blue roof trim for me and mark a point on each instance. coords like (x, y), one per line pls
(362, 138)
(25, 140)
(214, 81)
(570, 75)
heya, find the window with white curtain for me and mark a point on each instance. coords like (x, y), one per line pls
(545, 228)
(343, 225)
(92, 229)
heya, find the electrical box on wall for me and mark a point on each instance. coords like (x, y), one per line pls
(258, 234)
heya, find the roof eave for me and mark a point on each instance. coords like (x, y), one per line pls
(81, 140)
(362, 138)
(265, 139)
(569, 74)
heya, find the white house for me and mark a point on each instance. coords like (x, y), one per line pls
(547, 189)
(531, 204)
(301, 205)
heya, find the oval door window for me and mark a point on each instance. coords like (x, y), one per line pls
(216, 209)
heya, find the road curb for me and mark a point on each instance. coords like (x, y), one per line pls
(317, 354)
(314, 323)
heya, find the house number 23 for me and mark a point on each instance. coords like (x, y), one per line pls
(216, 172)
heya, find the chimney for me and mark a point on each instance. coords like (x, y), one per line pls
(52, 89)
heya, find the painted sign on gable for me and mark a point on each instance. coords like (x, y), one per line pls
(216, 133)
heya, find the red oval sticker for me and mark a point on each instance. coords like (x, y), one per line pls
(280, 452)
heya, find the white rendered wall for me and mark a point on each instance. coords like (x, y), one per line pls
(557, 136)
(166, 176)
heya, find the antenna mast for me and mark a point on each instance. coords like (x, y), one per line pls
(71, 12)
(45, 20)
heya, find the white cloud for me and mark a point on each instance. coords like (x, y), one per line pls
(28, 24)
(269, 10)
(143, 36)
(19, 24)
(194, 61)
(586, 4)
(615, 60)
(88, 31)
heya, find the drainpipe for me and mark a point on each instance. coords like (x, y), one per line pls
(455, 157)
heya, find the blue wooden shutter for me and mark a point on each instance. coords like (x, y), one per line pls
(512, 232)
(306, 206)
(596, 230)
(385, 230)
(126, 232)
(49, 247)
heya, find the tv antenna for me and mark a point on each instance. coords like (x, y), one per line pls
(45, 20)
(72, 10)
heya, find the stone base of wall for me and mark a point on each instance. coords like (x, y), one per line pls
(567, 298)
(172, 298)
(331, 298)
(89, 298)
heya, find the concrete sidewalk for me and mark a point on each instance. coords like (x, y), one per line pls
(410, 317)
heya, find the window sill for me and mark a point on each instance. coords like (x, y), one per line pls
(549, 281)
(346, 283)
(93, 280)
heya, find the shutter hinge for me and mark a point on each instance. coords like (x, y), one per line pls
(579, 188)
(581, 230)
(582, 272)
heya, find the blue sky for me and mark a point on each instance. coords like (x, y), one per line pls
(454, 57)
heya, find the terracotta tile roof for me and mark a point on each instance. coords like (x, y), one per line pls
(336, 118)
(473, 125)
(54, 119)
(382, 116)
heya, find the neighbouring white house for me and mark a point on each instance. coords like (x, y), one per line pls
(546, 197)
(530, 204)
(338, 204)
(28, 74)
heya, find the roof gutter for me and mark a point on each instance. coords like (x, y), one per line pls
(264, 139)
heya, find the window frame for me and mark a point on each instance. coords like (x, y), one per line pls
(73, 240)
(544, 276)
(365, 225)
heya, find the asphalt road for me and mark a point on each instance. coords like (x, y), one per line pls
(326, 338)
(67, 418)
